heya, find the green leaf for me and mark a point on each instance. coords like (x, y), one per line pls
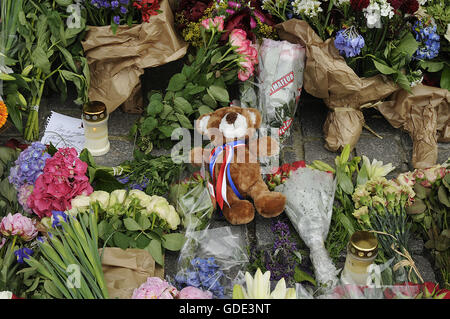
(203, 109)
(218, 93)
(209, 101)
(431, 66)
(300, 276)
(149, 124)
(121, 240)
(40, 59)
(166, 130)
(184, 121)
(216, 58)
(154, 248)
(443, 196)
(131, 224)
(52, 290)
(177, 82)
(182, 105)
(383, 68)
(143, 222)
(417, 208)
(174, 241)
(407, 46)
(64, 3)
(445, 78)
(154, 107)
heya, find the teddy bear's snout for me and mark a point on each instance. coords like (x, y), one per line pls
(231, 117)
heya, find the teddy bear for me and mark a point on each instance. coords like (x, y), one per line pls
(232, 159)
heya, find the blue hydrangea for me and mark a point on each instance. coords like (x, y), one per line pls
(428, 39)
(349, 42)
(29, 165)
(205, 274)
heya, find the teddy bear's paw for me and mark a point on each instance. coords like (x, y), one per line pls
(241, 212)
(270, 204)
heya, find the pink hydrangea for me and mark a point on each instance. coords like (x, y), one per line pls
(194, 293)
(155, 288)
(18, 225)
(64, 178)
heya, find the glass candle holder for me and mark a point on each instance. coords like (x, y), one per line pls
(362, 250)
(95, 122)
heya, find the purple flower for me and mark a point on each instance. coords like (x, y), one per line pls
(116, 19)
(123, 10)
(349, 42)
(58, 217)
(29, 165)
(23, 253)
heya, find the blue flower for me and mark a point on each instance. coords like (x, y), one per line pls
(29, 165)
(349, 42)
(58, 217)
(116, 19)
(428, 39)
(23, 253)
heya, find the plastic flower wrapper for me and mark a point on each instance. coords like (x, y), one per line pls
(309, 205)
(212, 260)
(192, 200)
(281, 66)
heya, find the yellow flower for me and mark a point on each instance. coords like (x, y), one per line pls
(3, 113)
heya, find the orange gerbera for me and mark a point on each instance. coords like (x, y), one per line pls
(3, 113)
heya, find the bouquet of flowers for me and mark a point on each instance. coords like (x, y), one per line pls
(133, 219)
(17, 233)
(156, 288)
(430, 211)
(237, 14)
(282, 174)
(193, 201)
(380, 205)
(62, 179)
(358, 53)
(200, 87)
(124, 38)
(211, 260)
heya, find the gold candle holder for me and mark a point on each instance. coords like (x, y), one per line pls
(362, 250)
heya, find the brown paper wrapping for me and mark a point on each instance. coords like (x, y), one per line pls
(126, 270)
(425, 115)
(116, 61)
(327, 76)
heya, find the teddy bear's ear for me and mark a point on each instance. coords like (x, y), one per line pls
(201, 124)
(255, 117)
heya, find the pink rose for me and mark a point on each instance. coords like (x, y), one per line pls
(246, 70)
(207, 23)
(18, 225)
(194, 293)
(237, 37)
(219, 22)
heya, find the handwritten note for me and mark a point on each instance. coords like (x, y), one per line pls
(64, 131)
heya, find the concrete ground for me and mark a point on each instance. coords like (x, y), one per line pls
(306, 143)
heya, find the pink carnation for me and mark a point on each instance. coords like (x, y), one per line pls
(216, 23)
(155, 288)
(64, 178)
(18, 225)
(194, 293)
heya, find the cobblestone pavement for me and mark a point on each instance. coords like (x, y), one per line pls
(305, 143)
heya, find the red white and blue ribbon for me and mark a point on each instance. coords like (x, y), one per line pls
(224, 173)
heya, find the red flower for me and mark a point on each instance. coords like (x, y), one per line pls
(148, 8)
(298, 164)
(442, 294)
(193, 10)
(409, 6)
(396, 4)
(358, 5)
(15, 297)
(285, 168)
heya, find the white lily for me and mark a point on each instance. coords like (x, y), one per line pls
(258, 287)
(376, 169)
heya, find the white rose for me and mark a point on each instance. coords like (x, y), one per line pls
(173, 219)
(79, 204)
(117, 197)
(6, 295)
(144, 199)
(101, 197)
